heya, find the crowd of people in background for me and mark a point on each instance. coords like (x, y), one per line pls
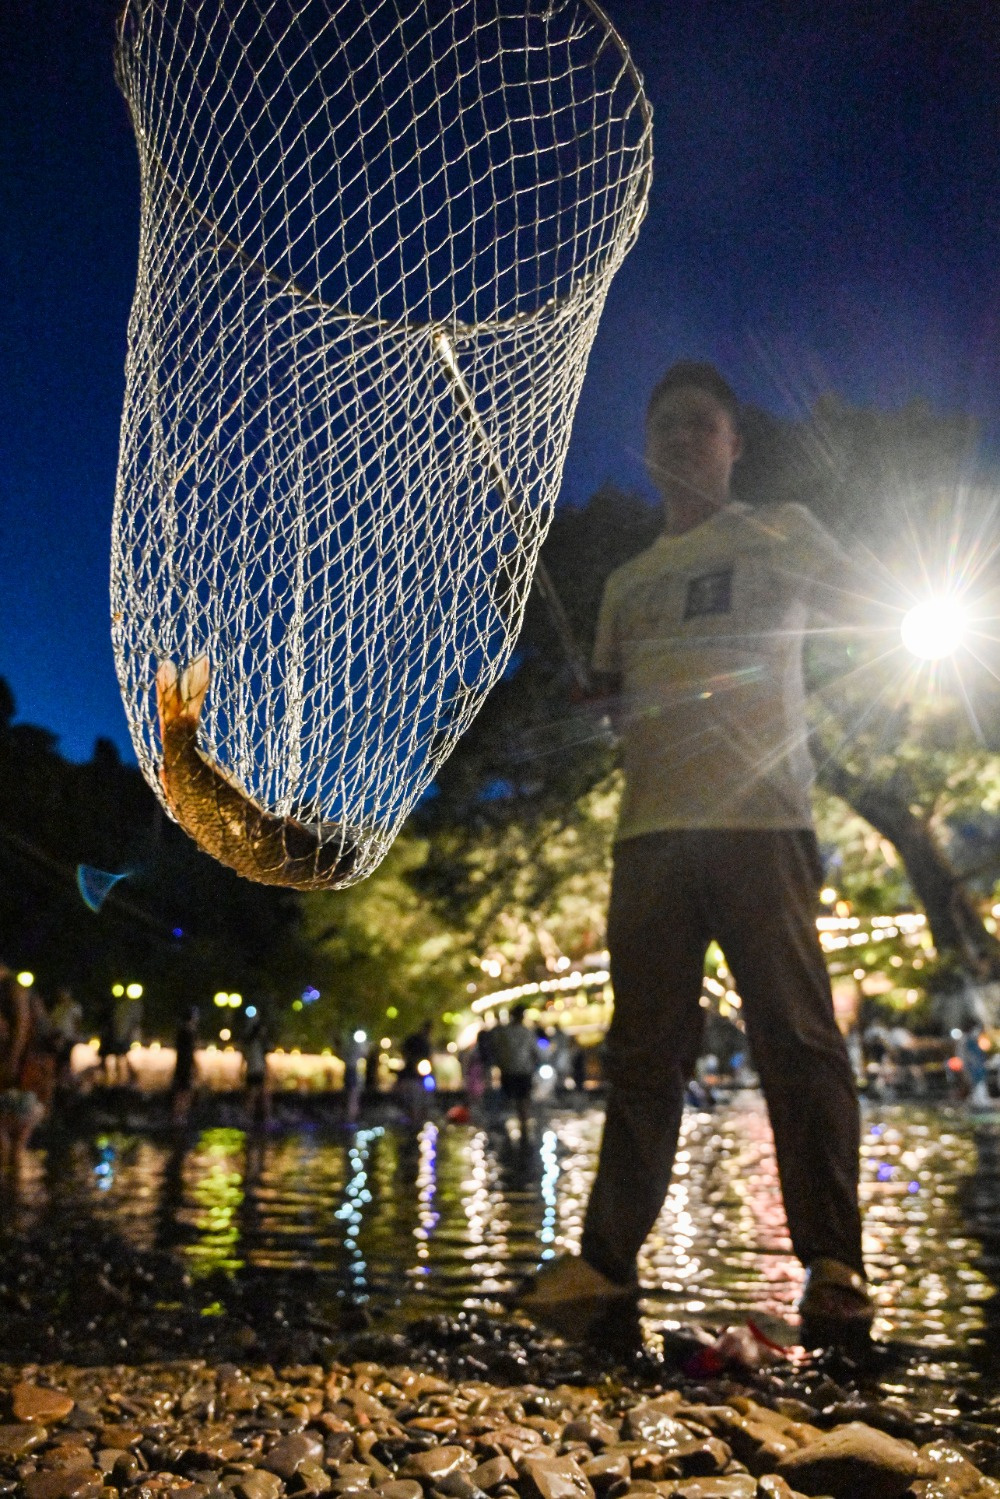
(514, 1064)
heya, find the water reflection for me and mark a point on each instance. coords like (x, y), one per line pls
(454, 1215)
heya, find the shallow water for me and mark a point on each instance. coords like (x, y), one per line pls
(452, 1217)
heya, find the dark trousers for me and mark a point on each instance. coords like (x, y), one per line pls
(755, 893)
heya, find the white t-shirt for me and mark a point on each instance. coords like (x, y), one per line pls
(705, 630)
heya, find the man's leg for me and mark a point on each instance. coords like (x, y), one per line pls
(657, 936)
(765, 890)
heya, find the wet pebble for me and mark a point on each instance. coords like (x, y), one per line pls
(290, 1452)
(30, 1402)
(436, 1463)
(64, 1483)
(19, 1439)
(855, 1459)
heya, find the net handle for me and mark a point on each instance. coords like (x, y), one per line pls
(466, 405)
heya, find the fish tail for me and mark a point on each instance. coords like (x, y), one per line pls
(180, 697)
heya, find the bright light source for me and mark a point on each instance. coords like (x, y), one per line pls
(934, 629)
(225, 1035)
(235, 1000)
(26, 979)
(391, 1012)
(546, 1071)
(118, 990)
(296, 1004)
(251, 1012)
(385, 1043)
(221, 1000)
(828, 895)
(424, 1068)
(134, 991)
(360, 1036)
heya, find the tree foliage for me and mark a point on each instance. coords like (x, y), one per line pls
(179, 923)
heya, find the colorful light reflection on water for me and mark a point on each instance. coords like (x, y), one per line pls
(454, 1215)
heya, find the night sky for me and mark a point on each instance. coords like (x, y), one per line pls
(825, 216)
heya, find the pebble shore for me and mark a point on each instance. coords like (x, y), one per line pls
(386, 1430)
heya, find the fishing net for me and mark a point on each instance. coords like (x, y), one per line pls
(376, 238)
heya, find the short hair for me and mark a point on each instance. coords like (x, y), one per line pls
(519, 1012)
(700, 375)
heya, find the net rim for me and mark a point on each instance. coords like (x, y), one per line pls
(402, 326)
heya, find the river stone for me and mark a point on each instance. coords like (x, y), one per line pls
(554, 1478)
(458, 1485)
(438, 1426)
(63, 1483)
(67, 1457)
(258, 1484)
(310, 1478)
(290, 1452)
(400, 1488)
(491, 1474)
(239, 1395)
(732, 1486)
(855, 1459)
(954, 1475)
(653, 1421)
(120, 1436)
(596, 1433)
(434, 1464)
(17, 1441)
(772, 1486)
(605, 1471)
(759, 1437)
(32, 1402)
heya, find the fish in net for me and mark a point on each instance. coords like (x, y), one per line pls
(376, 238)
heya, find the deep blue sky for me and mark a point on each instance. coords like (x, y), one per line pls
(825, 215)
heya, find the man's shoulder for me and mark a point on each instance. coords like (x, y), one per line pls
(786, 521)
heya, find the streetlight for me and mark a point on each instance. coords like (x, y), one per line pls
(935, 628)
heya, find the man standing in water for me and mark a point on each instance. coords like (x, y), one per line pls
(699, 643)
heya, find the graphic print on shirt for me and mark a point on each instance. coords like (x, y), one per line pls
(711, 593)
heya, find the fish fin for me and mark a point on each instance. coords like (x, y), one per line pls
(167, 697)
(194, 685)
(181, 696)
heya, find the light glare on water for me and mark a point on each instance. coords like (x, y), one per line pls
(453, 1216)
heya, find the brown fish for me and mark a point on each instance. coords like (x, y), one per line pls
(221, 818)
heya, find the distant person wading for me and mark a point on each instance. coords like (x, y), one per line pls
(516, 1052)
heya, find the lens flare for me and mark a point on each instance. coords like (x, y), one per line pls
(935, 628)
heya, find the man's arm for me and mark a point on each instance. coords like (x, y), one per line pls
(842, 589)
(606, 674)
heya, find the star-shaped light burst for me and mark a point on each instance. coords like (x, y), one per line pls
(935, 628)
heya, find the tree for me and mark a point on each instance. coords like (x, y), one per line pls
(900, 749)
(909, 751)
(179, 923)
(380, 955)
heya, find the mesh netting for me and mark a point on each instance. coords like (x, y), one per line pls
(376, 239)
